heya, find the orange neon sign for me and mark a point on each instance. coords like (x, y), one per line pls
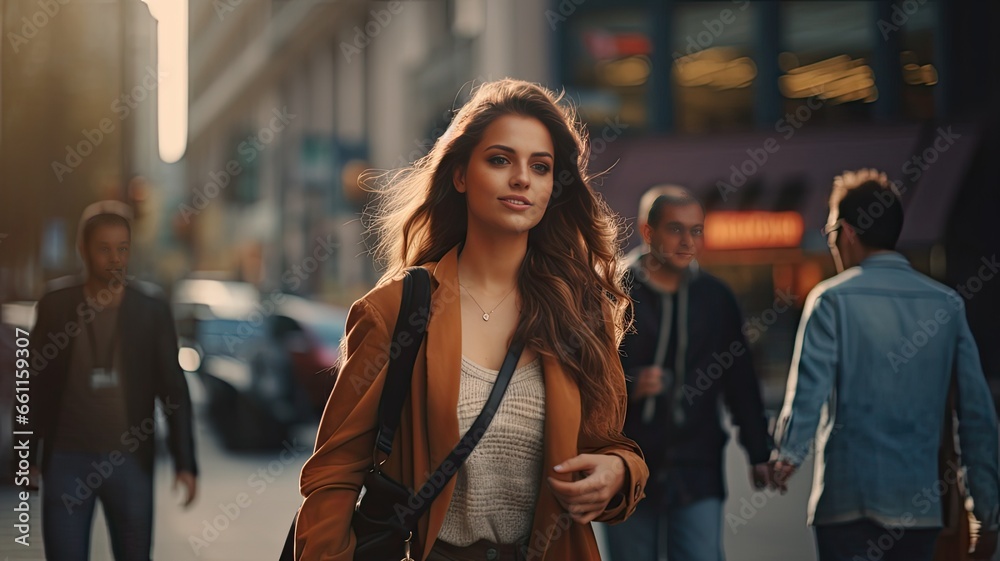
(752, 229)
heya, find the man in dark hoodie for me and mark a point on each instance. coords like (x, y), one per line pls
(687, 349)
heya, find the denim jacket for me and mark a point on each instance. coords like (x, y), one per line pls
(874, 357)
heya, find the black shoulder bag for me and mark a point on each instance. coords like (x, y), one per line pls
(385, 518)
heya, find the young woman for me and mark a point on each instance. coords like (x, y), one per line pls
(518, 246)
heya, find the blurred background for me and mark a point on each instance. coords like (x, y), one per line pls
(237, 130)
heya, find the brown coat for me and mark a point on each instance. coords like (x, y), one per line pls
(332, 477)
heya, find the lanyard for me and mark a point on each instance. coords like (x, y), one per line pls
(662, 343)
(97, 362)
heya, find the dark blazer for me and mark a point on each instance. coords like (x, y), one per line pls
(718, 365)
(151, 371)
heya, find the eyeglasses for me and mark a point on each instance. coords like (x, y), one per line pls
(679, 230)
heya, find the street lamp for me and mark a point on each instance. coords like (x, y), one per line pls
(172, 69)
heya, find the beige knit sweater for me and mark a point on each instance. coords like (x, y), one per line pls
(497, 486)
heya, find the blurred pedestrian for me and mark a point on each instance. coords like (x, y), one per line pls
(646, 203)
(104, 349)
(521, 249)
(686, 352)
(879, 345)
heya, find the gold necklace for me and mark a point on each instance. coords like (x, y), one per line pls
(486, 315)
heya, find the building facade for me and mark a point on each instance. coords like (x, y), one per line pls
(290, 100)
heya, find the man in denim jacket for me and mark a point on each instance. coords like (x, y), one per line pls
(876, 352)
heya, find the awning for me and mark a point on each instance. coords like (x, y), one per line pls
(767, 171)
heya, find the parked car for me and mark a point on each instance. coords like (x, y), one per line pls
(266, 365)
(216, 322)
(293, 365)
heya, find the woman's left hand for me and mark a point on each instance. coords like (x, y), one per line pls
(602, 477)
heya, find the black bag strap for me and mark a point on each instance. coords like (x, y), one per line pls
(399, 375)
(407, 336)
(449, 467)
(417, 282)
(397, 386)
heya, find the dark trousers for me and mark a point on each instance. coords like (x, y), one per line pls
(864, 539)
(71, 485)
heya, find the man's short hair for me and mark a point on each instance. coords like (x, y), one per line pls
(103, 219)
(871, 205)
(657, 198)
(119, 214)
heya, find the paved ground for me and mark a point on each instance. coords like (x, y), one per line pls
(774, 530)
(266, 485)
(216, 527)
(764, 526)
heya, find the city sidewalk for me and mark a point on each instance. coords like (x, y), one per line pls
(244, 507)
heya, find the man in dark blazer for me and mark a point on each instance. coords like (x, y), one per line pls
(103, 351)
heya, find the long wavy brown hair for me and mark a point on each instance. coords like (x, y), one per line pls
(573, 302)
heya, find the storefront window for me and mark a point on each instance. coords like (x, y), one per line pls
(608, 70)
(712, 66)
(826, 66)
(916, 44)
